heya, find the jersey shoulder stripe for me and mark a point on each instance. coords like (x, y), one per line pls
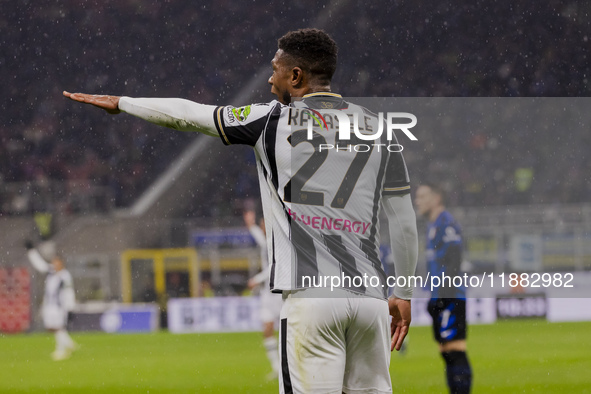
(217, 120)
(244, 125)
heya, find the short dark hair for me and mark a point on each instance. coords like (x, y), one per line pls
(313, 50)
(437, 189)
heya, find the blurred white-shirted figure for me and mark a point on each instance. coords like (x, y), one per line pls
(58, 300)
(270, 302)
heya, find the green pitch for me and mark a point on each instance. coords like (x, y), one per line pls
(525, 356)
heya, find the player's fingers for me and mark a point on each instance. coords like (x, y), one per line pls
(395, 335)
(401, 336)
(393, 325)
(395, 340)
(77, 97)
(89, 99)
(73, 96)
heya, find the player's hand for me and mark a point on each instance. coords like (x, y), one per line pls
(252, 284)
(400, 312)
(108, 103)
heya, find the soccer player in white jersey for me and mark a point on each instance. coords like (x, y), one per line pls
(321, 214)
(270, 302)
(58, 300)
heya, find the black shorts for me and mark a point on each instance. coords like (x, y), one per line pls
(449, 319)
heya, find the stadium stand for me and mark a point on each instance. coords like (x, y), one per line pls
(111, 183)
(55, 156)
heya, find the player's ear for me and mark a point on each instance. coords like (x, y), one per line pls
(297, 76)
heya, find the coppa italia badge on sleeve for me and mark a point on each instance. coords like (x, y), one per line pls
(241, 113)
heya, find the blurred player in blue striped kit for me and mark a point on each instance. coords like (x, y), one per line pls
(270, 302)
(58, 300)
(447, 306)
(321, 210)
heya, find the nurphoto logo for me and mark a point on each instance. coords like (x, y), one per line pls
(392, 121)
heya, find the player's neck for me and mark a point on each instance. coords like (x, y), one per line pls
(435, 212)
(319, 88)
(315, 88)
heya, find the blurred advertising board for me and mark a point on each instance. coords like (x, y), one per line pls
(214, 314)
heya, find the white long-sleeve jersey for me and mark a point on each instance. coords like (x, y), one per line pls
(321, 207)
(59, 288)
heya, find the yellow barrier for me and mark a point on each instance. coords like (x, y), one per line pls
(160, 261)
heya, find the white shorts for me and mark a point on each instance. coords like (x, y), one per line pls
(270, 307)
(54, 317)
(334, 345)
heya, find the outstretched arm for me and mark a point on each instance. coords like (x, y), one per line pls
(37, 261)
(175, 113)
(108, 103)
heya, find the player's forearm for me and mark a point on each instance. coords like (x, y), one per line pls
(403, 238)
(258, 235)
(37, 261)
(261, 276)
(179, 114)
